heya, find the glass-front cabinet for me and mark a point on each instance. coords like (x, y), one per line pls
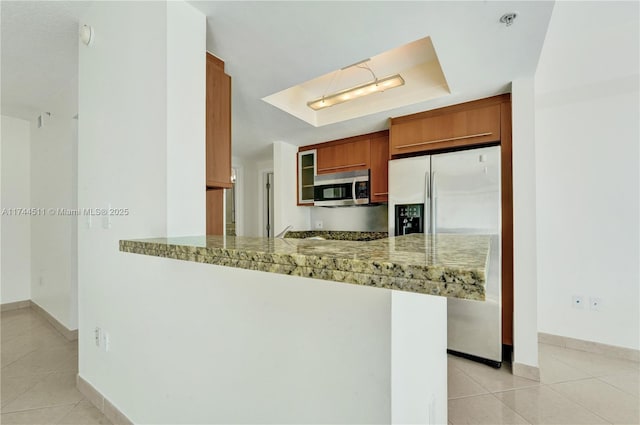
(306, 176)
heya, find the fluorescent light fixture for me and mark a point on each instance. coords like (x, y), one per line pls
(376, 86)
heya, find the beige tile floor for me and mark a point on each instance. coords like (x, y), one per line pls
(38, 375)
(39, 368)
(576, 388)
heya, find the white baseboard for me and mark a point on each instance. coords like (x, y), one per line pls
(590, 346)
(15, 305)
(70, 335)
(101, 402)
(525, 371)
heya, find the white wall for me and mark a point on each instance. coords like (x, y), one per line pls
(587, 162)
(418, 389)
(285, 189)
(125, 140)
(16, 193)
(122, 160)
(186, 77)
(240, 167)
(249, 347)
(54, 235)
(254, 195)
(525, 332)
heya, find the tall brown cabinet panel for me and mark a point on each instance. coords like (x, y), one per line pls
(215, 211)
(218, 142)
(218, 124)
(379, 169)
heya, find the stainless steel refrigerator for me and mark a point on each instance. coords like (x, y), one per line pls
(456, 192)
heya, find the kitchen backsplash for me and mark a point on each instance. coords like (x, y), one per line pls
(356, 218)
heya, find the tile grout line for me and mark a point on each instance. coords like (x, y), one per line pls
(503, 404)
(41, 407)
(566, 363)
(613, 386)
(61, 420)
(44, 375)
(19, 358)
(590, 374)
(513, 410)
(536, 384)
(471, 378)
(39, 377)
(580, 404)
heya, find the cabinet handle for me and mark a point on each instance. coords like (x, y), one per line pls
(450, 139)
(381, 193)
(307, 185)
(342, 166)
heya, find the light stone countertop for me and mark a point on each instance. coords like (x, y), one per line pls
(452, 265)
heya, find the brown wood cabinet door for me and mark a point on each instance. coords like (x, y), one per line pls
(215, 211)
(343, 157)
(218, 124)
(379, 169)
(449, 130)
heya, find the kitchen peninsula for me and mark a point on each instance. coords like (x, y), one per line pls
(317, 331)
(446, 265)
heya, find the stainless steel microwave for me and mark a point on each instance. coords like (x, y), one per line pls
(341, 189)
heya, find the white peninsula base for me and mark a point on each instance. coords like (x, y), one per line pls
(199, 343)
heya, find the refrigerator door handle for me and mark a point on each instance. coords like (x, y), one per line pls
(433, 216)
(427, 198)
(353, 191)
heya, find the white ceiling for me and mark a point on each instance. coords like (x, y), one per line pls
(417, 63)
(270, 46)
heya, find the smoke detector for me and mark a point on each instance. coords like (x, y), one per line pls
(508, 18)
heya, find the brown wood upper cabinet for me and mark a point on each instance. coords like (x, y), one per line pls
(349, 156)
(218, 124)
(444, 129)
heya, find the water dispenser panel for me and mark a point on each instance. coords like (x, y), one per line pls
(409, 219)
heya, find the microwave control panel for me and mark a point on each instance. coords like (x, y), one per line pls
(362, 190)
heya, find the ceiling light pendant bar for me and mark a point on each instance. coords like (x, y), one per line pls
(376, 86)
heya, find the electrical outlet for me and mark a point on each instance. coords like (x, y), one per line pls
(319, 224)
(577, 301)
(595, 303)
(97, 335)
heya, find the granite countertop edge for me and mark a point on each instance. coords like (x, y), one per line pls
(466, 282)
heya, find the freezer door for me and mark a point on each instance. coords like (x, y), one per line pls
(466, 188)
(408, 184)
(466, 199)
(475, 327)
